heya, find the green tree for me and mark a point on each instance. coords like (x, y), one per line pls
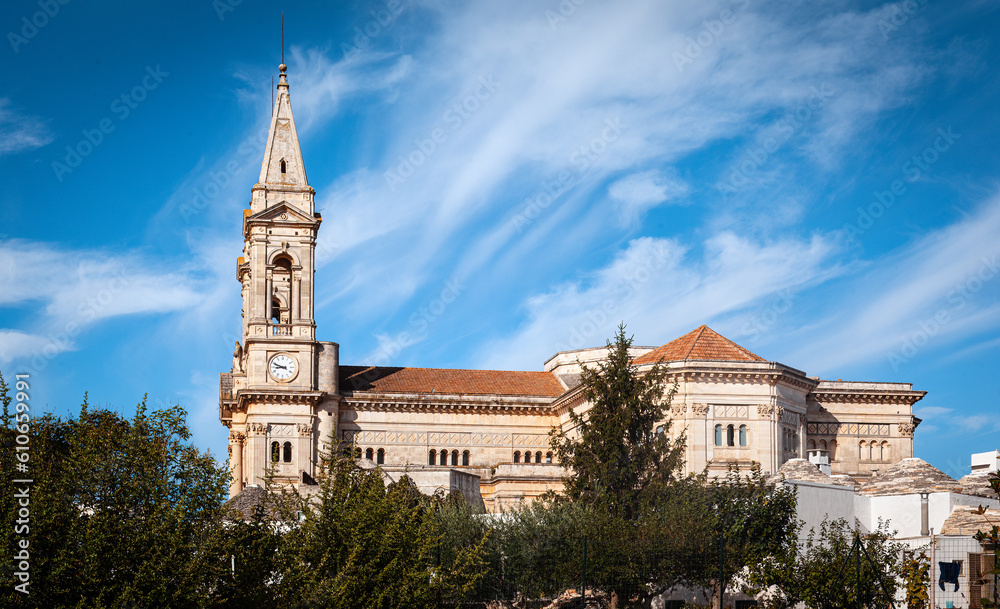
(917, 577)
(991, 541)
(362, 543)
(752, 521)
(123, 512)
(618, 462)
(828, 570)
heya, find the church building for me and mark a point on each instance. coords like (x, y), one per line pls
(485, 433)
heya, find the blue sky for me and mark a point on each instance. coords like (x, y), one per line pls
(819, 182)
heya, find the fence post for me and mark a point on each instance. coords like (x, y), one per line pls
(722, 570)
(584, 587)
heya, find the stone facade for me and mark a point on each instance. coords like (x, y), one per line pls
(287, 398)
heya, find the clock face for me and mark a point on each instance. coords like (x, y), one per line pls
(282, 367)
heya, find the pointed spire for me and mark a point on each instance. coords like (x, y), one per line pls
(282, 167)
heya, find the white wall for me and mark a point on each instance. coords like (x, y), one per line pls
(817, 501)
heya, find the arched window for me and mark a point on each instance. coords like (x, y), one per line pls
(275, 452)
(718, 435)
(454, 457)
(833, 450)
(811, 445)
(282, 167)
(380, 456)
(370, 454)
(538, 457)
(444, 457)
(743, 435)
(465, 457)
(288, 452)
(730, 436)
(659, 429)
(873, 450)
(357, 452)
(432, 457)
(548, 457)
(527, 456)
(883, 451)
(862, 448)
(517, 456)
(822, 445)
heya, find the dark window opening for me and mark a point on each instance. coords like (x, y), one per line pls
(288, 452)
(380, 456)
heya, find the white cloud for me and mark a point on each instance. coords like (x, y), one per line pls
(76, 288)
(20, 345)
(20, 132)
(941, 288)
(637, 193)
(660, 291)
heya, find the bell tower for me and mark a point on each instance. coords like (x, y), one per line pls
(280, 398)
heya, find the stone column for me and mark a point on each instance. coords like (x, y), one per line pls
(295, 299)
(268, 297)
(236, 440)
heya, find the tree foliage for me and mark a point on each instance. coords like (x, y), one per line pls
(916, 571)
(123, 512)
(828, 570)
(990, 539)
(363, 543)
(617, 460)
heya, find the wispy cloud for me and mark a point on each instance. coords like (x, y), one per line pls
(637, 193)
(940, 288)
(661, 290)
(19, 131)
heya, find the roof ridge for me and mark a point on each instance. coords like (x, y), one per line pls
(368, 367)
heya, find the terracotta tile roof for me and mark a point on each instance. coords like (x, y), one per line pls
(702, 343)
(385, 379)
(911, 476)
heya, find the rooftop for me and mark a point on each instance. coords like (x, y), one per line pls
(911, 476)
(386, 379)
(702, 343)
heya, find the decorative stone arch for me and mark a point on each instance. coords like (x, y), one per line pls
(292, 258)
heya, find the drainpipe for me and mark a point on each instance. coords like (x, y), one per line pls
(924, 517)
(933, 571)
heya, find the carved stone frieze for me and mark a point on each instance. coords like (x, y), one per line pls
(236, 437)
(699, 410)
(304, 429)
